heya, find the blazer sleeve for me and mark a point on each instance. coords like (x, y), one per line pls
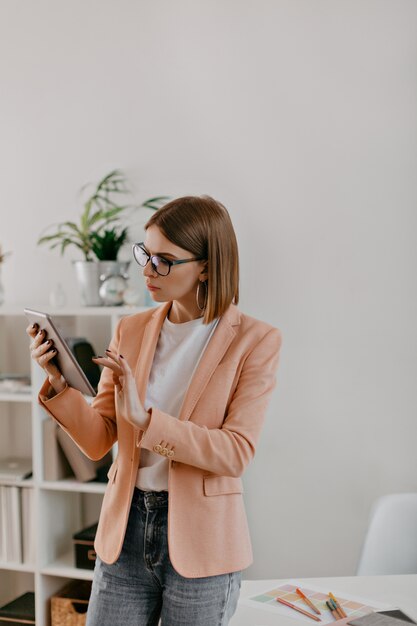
(227, 450)
(92, 427)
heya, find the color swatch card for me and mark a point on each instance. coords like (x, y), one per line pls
(353, 607)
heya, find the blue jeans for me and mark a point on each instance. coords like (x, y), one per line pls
(142, 587)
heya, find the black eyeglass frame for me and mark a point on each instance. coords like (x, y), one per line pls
(158, 256)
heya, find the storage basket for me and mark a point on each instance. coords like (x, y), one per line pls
(85, 555)
(69, 605)
(21, 610)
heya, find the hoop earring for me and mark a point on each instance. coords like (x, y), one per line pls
(201, 308)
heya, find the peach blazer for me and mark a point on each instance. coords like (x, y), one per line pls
(208, 446)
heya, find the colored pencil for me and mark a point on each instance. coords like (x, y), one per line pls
(332, 610)
(296, 608)
(336, 601)
(307, 601)
(336, 608)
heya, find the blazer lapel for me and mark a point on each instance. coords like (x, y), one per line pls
(214, 352)
(216, 348)
(148, 347)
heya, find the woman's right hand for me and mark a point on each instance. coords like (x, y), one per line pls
(42, 351)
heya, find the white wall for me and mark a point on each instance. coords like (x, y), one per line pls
(300, 116)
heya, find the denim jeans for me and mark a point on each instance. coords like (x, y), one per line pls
(142, 587)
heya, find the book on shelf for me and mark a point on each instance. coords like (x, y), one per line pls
(14, 468)
(55, 463)
(11, 539)
(2, 524)
(14, 528)
(15, 383)
(28, 525)
(84, 468)
(17, 530)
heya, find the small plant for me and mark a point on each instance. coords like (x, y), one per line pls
(101, 210)
(106, 245)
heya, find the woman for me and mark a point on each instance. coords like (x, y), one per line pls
(184, 391)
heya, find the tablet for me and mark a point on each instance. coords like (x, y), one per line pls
(397, 614)
(65, 360)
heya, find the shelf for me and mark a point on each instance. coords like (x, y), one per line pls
(69, 484)
(28, 482)
(61, 507)
(17, 567)
(16, 309)
(8, 396)
(64, 566)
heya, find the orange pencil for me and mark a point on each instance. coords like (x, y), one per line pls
(307, 601)
(336, 601)
(296, 608)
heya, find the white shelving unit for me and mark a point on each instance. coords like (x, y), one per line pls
(63, 507)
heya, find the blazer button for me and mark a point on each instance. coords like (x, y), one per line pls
(164, 451)
(170, 453)
(158, 448)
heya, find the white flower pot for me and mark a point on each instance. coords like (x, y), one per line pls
(88, 275)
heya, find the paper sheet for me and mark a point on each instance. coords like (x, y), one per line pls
(352, 605)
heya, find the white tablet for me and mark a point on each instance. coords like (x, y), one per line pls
(64, 359)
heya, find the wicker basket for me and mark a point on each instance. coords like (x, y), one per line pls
(69, 605)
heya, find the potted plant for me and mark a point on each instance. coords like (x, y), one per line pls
(113, 274)
(98, 234)
(3, 256)
(106, 245)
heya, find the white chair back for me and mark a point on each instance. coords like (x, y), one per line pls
(390, 545)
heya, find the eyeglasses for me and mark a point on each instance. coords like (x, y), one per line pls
(159, 264)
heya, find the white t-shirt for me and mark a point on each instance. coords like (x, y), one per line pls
(178, 351)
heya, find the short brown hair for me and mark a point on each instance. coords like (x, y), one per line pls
(203, 226)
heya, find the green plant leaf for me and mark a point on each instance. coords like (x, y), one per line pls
(61, 241)
(98, 230)
(86, 215)
(47, 238)
(155, 203)
(112, 212)
(157, 199)
(73, 227)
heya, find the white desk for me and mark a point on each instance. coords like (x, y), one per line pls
(400, 591)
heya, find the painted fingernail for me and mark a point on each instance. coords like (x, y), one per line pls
(121, 356)
(34, 325)
(108, 350)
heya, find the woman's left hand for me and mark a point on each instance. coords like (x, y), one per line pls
(128, 404)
